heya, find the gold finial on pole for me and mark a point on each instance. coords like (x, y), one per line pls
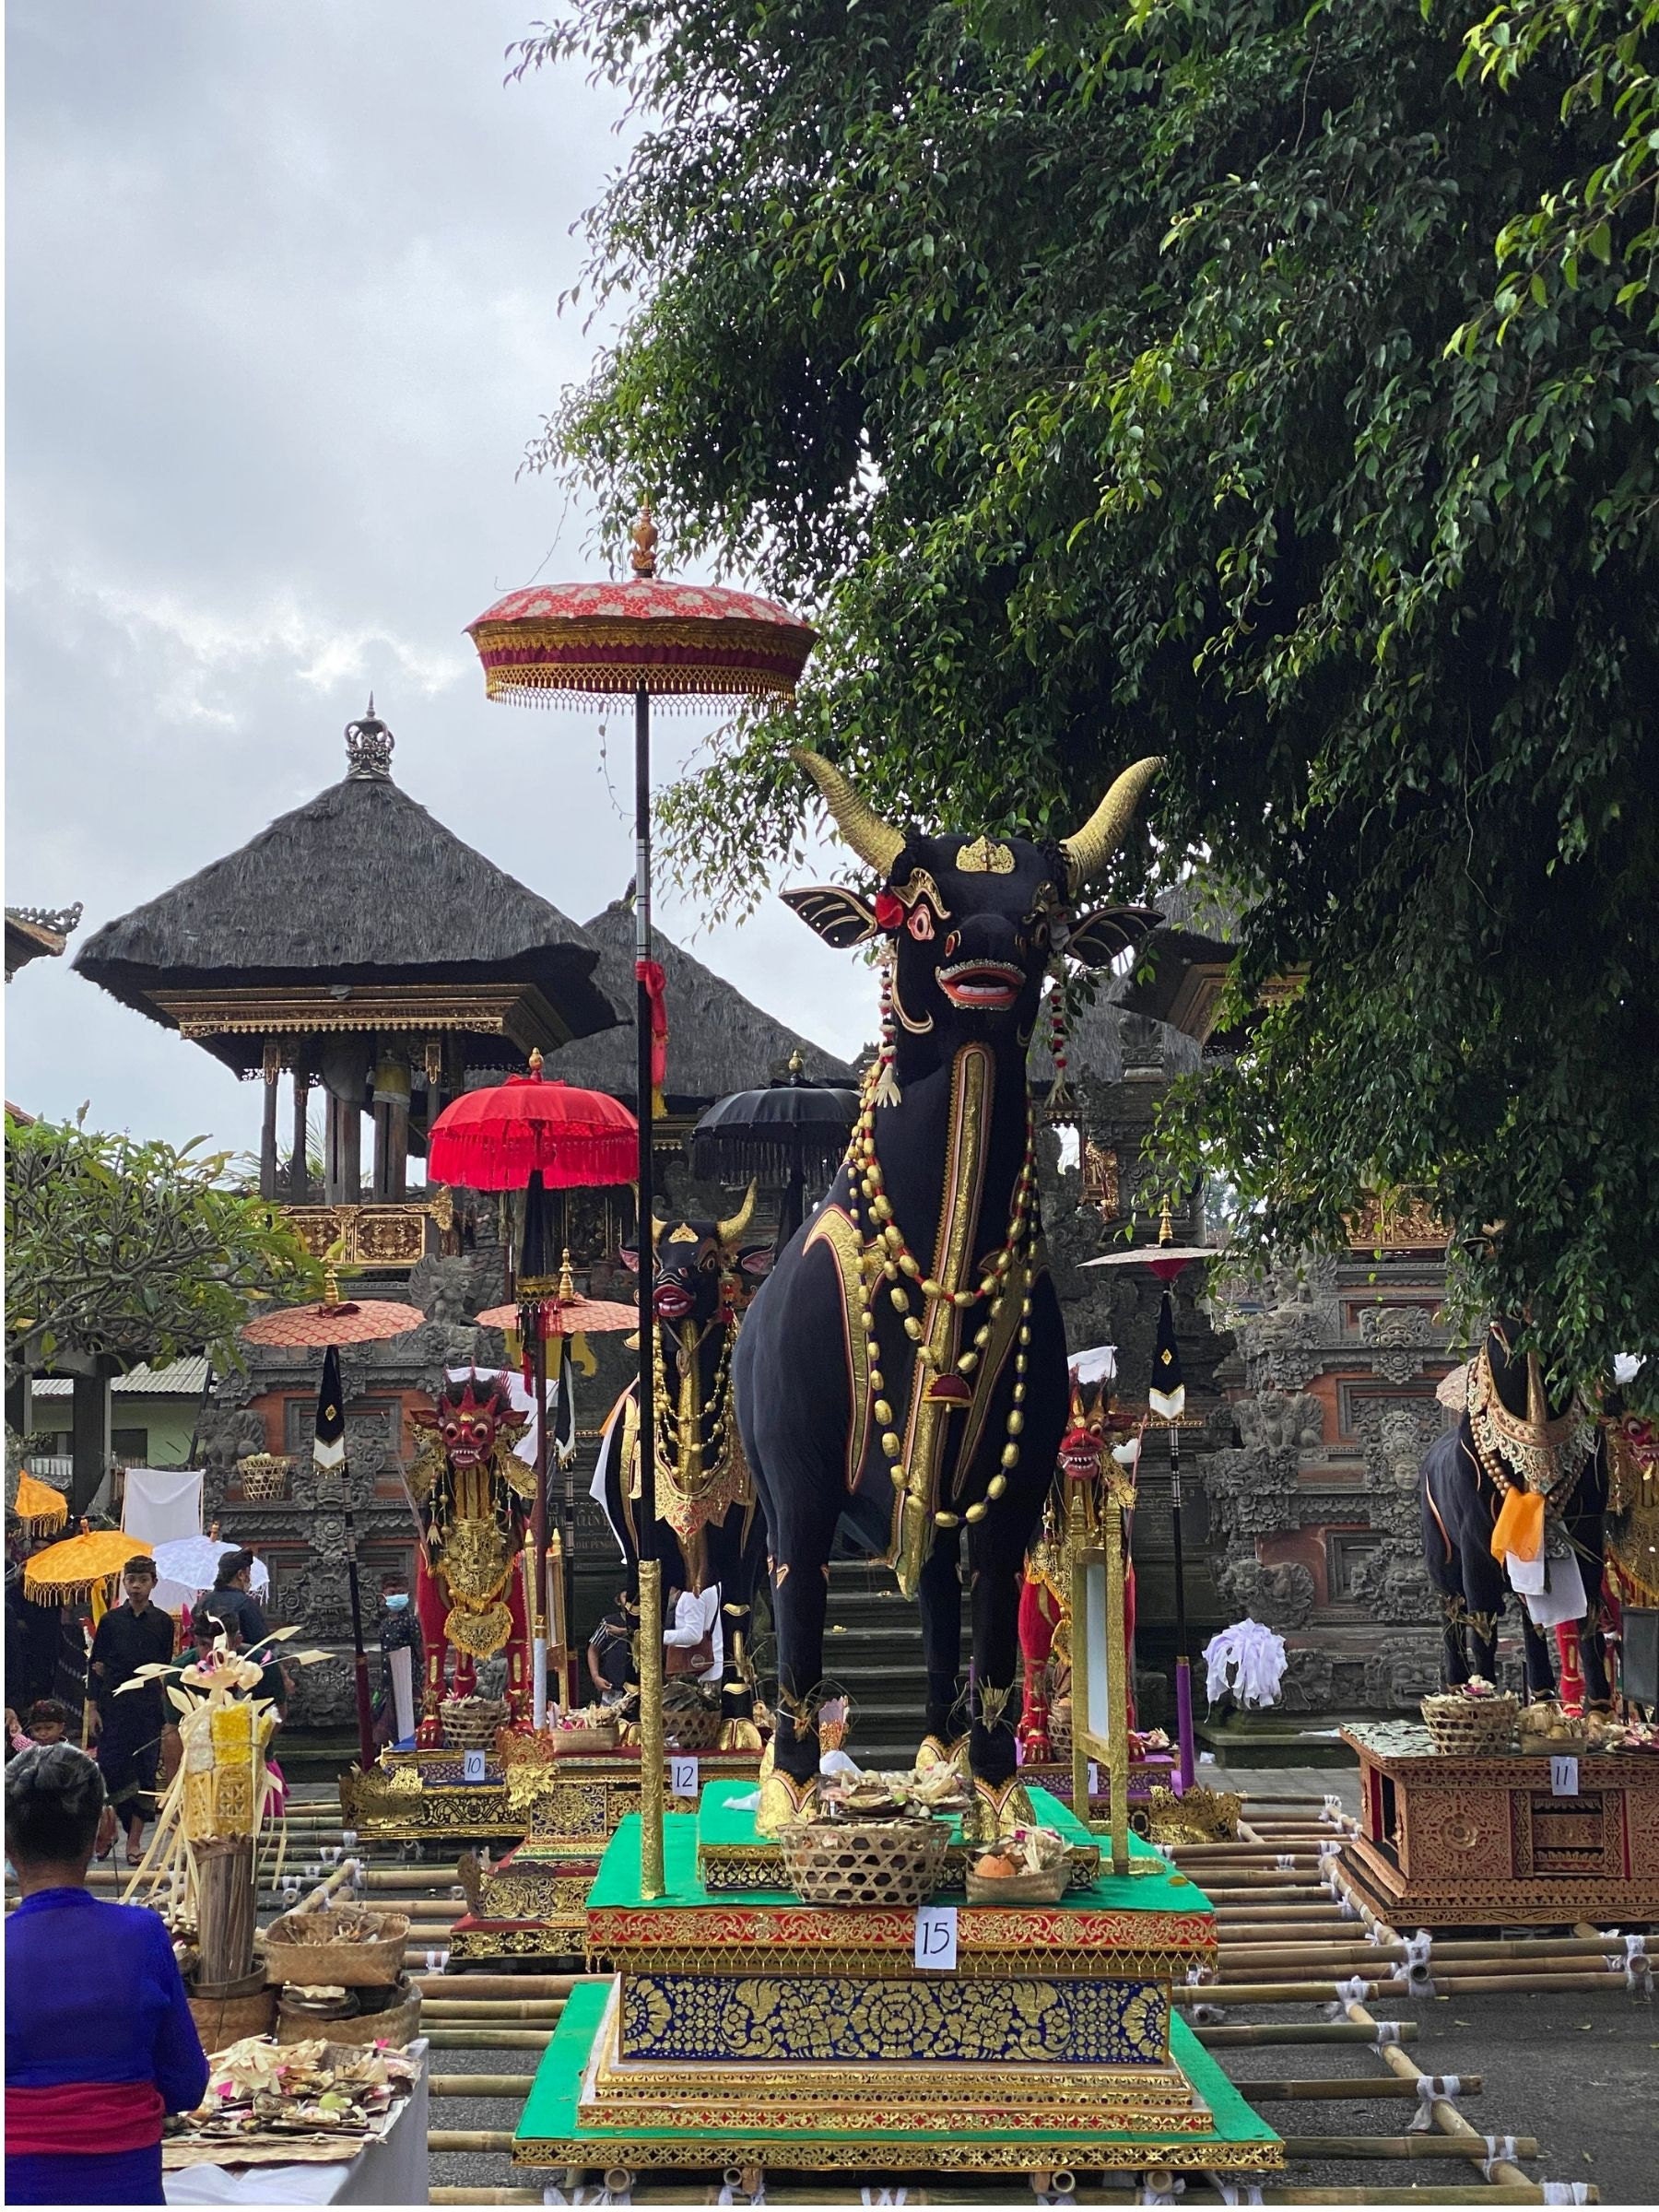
(535, 1062)
(1166, 1224)
(566, 1280)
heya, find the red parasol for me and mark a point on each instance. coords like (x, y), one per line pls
(695, 640)
(496, 1139)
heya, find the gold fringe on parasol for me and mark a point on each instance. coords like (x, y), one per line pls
(42, 1510)
(65, 1572)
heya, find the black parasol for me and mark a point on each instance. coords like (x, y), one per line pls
(792, 1129)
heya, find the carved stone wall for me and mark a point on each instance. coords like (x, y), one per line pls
(1314, 1395)
(1333, 1403)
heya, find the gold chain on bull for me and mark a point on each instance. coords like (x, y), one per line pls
(888, 1262)
(692, 1458)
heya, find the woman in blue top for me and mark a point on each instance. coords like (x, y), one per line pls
(100, 2043)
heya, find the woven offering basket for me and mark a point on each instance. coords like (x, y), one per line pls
(395, 2024)
(857, 1863)
(470, 1724)
(321, 1948)
(262, 1475)
(695, 1728)
(1044, 1885)
(566, 1740)
(1465, 1727)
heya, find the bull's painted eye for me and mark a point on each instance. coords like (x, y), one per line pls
(921, 924)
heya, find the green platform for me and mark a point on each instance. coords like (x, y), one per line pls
(635, 2077)
(549, 2132)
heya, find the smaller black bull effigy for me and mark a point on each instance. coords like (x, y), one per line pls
(902, 1370)
(708, 1528)
(1515, 1497)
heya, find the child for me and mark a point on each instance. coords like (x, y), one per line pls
(47, 1721)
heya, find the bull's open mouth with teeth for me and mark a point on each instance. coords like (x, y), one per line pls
(987, 986)
(669, 1302)
(463, 1456)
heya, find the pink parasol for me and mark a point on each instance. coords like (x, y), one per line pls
(496, 1139)
(567, 1317)
(335, 1321)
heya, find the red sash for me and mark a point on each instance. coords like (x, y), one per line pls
(84, 2118)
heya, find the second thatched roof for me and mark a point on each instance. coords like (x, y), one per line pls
(719, 1042)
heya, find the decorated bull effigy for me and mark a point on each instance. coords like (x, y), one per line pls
(1494, 1811)
(903, 1367)
(710, 1532)
(805, 1988)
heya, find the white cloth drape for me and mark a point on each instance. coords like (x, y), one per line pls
(162, 1504)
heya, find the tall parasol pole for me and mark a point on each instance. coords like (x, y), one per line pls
(649, 1570)
(1167, 1399)
(601, 642)
(329, 1453)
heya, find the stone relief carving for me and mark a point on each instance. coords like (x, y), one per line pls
(1401, 1679)
(1308, 1680)
(1279, 1421)
(1398, 1337)
(1393, 1586)
(1279, 1596)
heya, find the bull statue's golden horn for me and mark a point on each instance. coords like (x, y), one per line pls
(729, 1232)
(876, 842)
(1087, 853)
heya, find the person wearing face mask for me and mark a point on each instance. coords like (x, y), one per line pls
(399, 1631)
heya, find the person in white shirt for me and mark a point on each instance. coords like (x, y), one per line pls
(696, 1620)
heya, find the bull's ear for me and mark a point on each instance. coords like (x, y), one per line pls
(840, 916)
(757, 1259)
(629, 1259)
(1098, 938)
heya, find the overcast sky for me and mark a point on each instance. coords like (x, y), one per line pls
(281, 315)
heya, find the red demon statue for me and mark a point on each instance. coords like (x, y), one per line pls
(1086, 1459)
(475, 1497)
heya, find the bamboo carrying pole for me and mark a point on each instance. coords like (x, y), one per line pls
(1342, 2090)
(1257, 2034)
(480, 2085)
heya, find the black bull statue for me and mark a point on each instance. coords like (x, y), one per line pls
(1509, 1437)
(902, 1369)
(708, 1528)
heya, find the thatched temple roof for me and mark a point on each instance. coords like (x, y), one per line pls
(360, 885)
(719, 1042)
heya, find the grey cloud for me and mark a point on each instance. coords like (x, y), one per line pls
(283, 312)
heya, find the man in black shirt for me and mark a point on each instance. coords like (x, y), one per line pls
(128, 1729)
(608, 1656)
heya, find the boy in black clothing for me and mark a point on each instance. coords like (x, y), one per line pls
(128, 1730)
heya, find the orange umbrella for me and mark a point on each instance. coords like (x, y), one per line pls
(76, 1567)
(42, 1510)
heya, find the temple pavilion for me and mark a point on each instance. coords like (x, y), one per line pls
(358, 948)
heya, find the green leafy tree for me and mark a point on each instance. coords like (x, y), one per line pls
(135, 1250)
(1275, 388)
